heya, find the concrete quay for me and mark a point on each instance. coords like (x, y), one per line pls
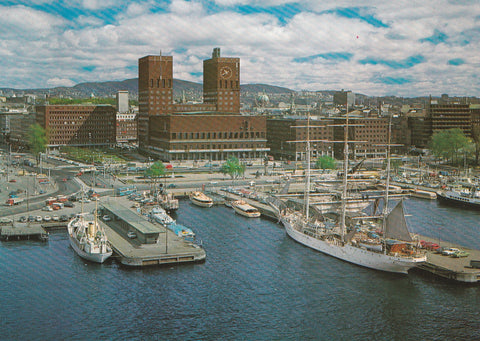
(22, 231)
(138, 242)
(456, 269)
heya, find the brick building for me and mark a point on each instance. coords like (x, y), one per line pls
(282, 131)
(212, 130)
(78, 125)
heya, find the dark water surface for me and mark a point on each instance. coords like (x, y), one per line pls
(256, 284)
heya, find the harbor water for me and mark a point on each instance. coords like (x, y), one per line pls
(256, 284)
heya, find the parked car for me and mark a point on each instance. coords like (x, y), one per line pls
(5, 220)
(68, 204)
(172, 186)
(47, 218)
(31, 218)
(47, 208)
(460, 253)
(450, 251)
(22, 219)
(107, 218)
(38, 218)
(55, 217)
(64, 217)
(131, 235)
(13, 180)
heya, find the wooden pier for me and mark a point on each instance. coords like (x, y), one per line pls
(23, 231)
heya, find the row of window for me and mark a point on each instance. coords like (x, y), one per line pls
(164, 82)
(218, 135)
(216, 146)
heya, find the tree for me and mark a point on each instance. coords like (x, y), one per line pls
(37, 140)
(476, 141)
(448, 143)
(325, 162)
(155, 171)
(233, 168)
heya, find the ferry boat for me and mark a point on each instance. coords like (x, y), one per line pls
(88, 239)
(244, 209)
(200, 199)
(466, 199)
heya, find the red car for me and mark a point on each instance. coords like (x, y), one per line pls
(13, 180)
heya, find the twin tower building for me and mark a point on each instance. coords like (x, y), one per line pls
(212, 130)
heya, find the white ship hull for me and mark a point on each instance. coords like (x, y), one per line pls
(250, 214)
(97, 257)
(353, 254)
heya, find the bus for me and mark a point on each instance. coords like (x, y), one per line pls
(122, 191)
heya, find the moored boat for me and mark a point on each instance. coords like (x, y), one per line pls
(244, 209)
(200, 199)
(88, 239)
(466, 199)
(418, 193)
(395, 252)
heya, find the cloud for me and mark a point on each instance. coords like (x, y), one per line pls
(54, 82)
(387, 47)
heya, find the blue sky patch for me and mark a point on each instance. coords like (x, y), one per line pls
(438, 37)
(330, 56)
(283, 13)
(456, 61)
(89, 68)
(361, 13)
(391, 80)
(395, 64)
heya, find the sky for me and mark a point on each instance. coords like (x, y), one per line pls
(374, 47)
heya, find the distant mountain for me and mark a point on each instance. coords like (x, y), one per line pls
(109, 89)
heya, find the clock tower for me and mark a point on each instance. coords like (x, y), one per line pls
(221, 82)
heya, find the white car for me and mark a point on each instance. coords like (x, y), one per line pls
(131, 235)
(55, 217)
(47, 218)
(47, 208)
(39, 218)
(107, 218)
(450, 251)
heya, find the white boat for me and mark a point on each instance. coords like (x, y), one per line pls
(242, 208)
(200, 199)
(160, 216)
(394, 252)
(418, 193)
(88, 239)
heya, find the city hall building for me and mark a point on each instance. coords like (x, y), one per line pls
(212, 130)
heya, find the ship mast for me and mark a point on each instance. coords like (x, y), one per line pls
(345, 169)
(387, 183)
(307, 183)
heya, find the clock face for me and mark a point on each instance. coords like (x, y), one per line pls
(226, 72)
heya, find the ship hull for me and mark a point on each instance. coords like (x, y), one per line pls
(201, 203)
(92, 257)
(355, 255)
(465, 203)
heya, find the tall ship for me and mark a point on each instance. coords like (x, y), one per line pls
(88, 239)
(201, 199)
(381, 243)
(467, 198)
